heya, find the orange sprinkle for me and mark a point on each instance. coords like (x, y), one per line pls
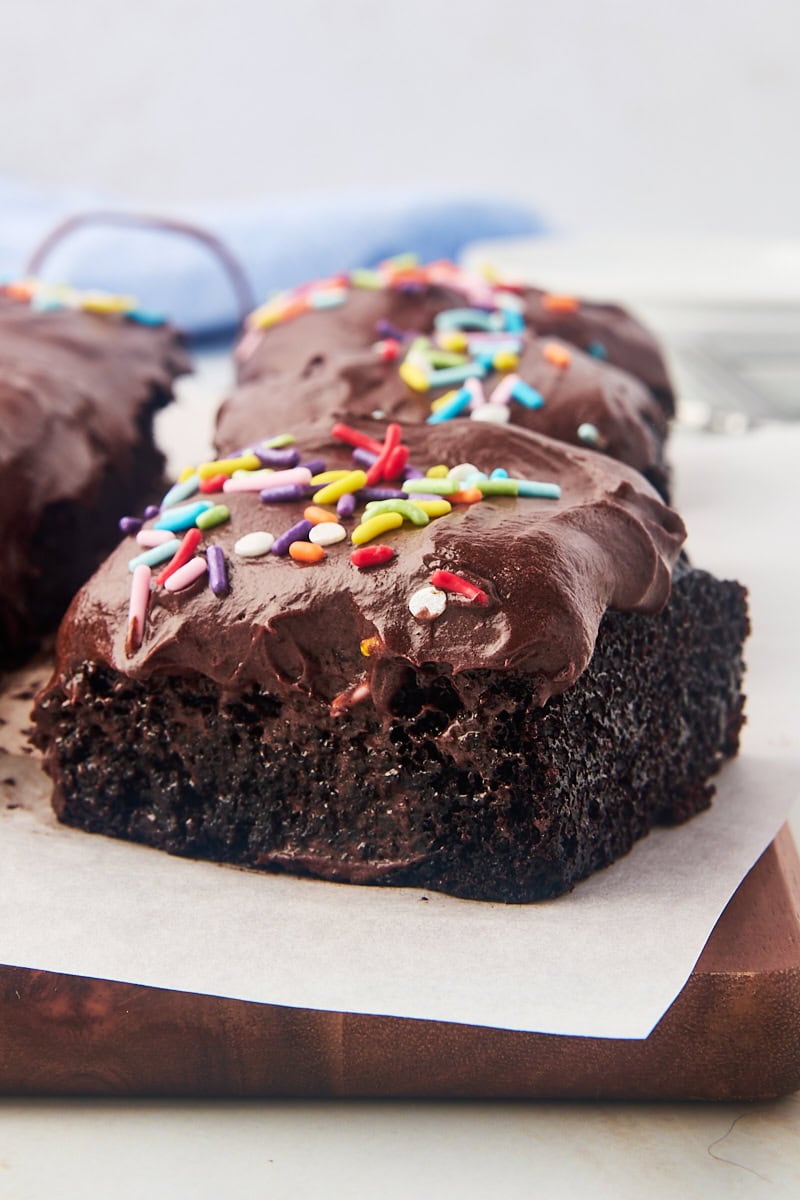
(319, 516)
(306, 552)
(559, 356)
(558, 303)
(18, 291)
(467, 496)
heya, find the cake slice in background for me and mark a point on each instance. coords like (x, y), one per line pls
(396, 343)
(81, 377)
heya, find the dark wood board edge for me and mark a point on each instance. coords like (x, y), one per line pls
(733, 1033)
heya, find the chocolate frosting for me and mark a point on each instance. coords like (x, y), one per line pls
(76, 391)
(550, 569)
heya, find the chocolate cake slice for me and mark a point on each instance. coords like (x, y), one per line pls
(78, 391)
(493, 687)
(434, 340)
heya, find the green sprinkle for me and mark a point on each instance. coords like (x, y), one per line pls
(496, 487)
(446, 358)
(364, 278)
(412, 512)
(277, 443)
(429, 486)
(217, 515)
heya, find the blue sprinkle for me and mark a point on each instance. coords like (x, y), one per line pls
(177, 519)
(158, 554)
(597, 350)
(513, 322)
(454, 408)
(525, 394)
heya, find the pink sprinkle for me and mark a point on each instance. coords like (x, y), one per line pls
(137, 611)
(257, 481)
(153, 537)
(475, 389)
(186, 575)
(502, 393)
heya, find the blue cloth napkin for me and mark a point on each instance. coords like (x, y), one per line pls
(280, 243)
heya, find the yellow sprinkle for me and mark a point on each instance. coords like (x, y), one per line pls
(368, 645)
(440, 401)
(268, 314)
(102, 302)
(352, 481)
(375, 526)
(453, 340)
(489, 272)
(226, 466)
(506, 360)
(439, 472)
(414, 377)
(185, 474)
(435, 508)
(328, 477)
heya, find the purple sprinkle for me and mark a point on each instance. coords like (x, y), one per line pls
(297, 533)
(425, 496)
(152, 510)
(385, 329)
(378, 493)
(315, 465)
(279, 495)
(217, 571)
(364, 458)
(130, 525)
(412, 289)
(413, 473)
(346, 505)
(281, 460)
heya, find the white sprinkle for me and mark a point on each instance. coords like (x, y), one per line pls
(495, 414)
(327, 533)
(427, 603)
(463, 472)
(253, 545)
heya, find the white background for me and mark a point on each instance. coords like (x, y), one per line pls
(645, 115)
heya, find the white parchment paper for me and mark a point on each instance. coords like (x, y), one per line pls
(605, 961)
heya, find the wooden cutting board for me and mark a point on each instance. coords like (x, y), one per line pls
(733, 1033)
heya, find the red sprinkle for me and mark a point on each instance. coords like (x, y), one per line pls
(449, 582)
(214, 484)
(377, 471)
(353, 437)
(396, 462)
(371, 556)
(388, 349)
(191, 540)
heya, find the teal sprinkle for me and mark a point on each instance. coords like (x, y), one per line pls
(328, 299)
(499, 473)
(597, 350)
(152, 558)
(533, 490)
(449, 376)
(143, 316)
(180, 491)
(464, 318)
